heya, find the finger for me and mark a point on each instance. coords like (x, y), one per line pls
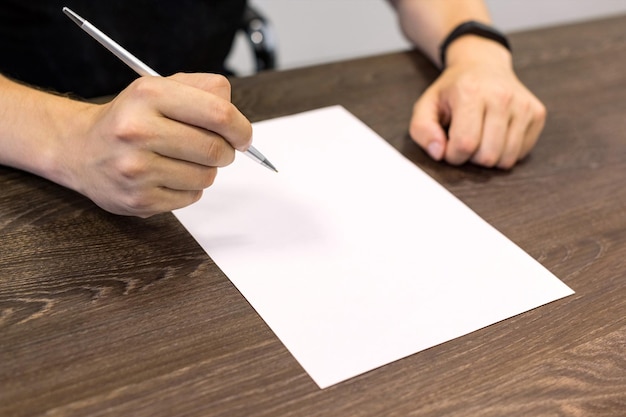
(211, 113)
(196, 107)
(148, 202)
(211, 83)
(514, 142)
(180, 175)
(425, 127)
(161, 200)
(169, 199)
(494, 136)
(465, 130)
(189, 143)
(538, 120)
(523, 134)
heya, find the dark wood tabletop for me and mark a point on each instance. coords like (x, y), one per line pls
(102, 315)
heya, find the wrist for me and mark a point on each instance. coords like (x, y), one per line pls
(57, 127)
(480, 35)
(472, 49)
(69, 129)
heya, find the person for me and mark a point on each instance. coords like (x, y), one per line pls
(159, 142)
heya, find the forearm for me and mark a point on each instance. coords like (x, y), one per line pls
(33, 125)
(427, 22)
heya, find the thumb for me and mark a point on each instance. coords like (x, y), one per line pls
(425, 128)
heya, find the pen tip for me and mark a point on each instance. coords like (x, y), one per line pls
(269, 165)
(75, 18)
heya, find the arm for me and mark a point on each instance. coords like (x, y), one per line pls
(493, 119)
(154, 148)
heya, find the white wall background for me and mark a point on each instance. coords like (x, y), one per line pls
(316, 31)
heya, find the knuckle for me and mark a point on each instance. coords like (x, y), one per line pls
(138, 204)
(127, 129)
(220, 81)
(196, 196)
(418, 131)
(535, 110)
(144, 87)
(540, 112)
(223, 114)
(455, 159)
(419, 128)
(461, 150)
(506, 163)
(487, 159)
(219, 85)
(131, 167)
(466, 144)
(502, 97)
(214, 151)
(208, 177)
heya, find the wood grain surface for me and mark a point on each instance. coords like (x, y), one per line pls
(102, 315)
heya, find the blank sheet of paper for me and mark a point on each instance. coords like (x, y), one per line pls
(353, 255)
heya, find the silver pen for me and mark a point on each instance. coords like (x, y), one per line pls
(141, 68)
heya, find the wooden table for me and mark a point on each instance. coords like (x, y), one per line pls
(106, 315)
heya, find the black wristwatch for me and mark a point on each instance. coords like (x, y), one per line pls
(472, 27)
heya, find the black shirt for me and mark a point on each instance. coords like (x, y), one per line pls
(41, 46)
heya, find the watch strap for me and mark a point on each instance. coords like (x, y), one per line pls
(472, 27)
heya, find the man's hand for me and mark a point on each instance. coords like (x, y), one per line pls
(156, 146)
(493, 120)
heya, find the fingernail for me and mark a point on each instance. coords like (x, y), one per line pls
(435, 150)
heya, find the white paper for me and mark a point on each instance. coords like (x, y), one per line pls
(353, 255)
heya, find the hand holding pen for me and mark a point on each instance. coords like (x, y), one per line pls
(142, 69)
(158, 144)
